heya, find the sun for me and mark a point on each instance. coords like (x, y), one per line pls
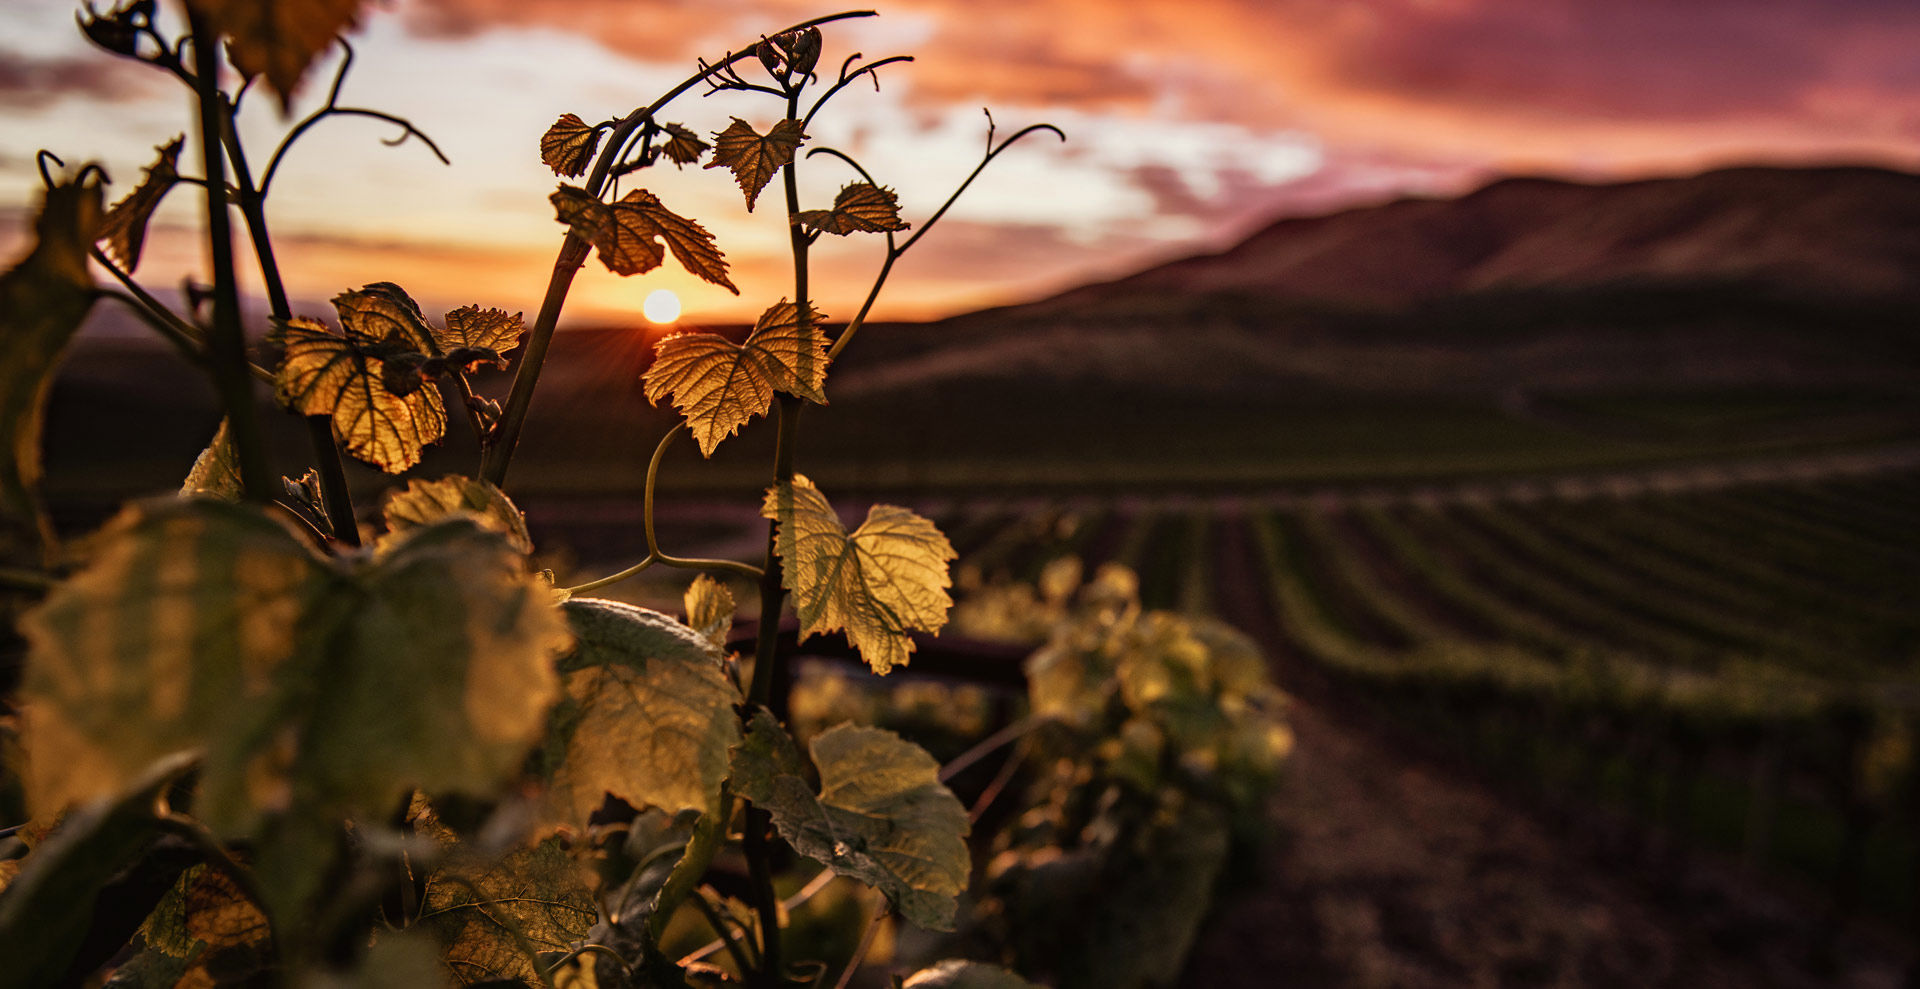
(661, 306)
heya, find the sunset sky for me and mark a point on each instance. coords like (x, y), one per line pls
(1190, 123)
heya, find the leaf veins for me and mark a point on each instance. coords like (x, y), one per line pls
(754, 157)
(426, 502)
(719, 385)
(861, 207)
(125, 228)
(882, 815)
(383, 312)
(683, 146)
(627, 234)
(475, 336)
(567, 147)
(488, 915)
(326, 374)
(886, 579)
(648, 715)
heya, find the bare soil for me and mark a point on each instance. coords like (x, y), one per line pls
(1389, 865)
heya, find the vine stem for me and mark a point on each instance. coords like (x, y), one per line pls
(334, 492)
(766, 653)
(573, 253)
(654, 555)
(727, 931)
(895, 251)
(226, 345)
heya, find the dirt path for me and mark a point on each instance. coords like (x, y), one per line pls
(1386, 871)
(1390, 868)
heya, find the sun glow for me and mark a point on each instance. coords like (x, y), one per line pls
(661, 306)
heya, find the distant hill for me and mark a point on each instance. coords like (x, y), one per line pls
(1533, 325)
(1740, 276)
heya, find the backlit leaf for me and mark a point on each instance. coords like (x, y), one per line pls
(233, 935)
(487, 914)
(719, 385)
(957, 974)
(204, 913)
(280, 38)
(211, 627)
(683, 146)
(754, 157)
(886, 579)
(325, 374)
(881, 816)
(567, 147)
(627, 234)
(125, 228)
(858, 207)
(381, 313)
(174, 630)
(710, 610)
(43, 298)
(216, 472)
(474, 336)
(439, 674)
(424, 502)
(648, 715)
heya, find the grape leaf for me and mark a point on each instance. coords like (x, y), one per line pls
(859, 207)
(218, 914)
(567, 147)
(43, 298)
(754, 157)
(396, 961)
(278, 39)
(439, 675)
(881, 816)
(425, 502)
(176, 625)
(719, 385)
(710, 610)
(474, 336)
(957, 974)
(683, 146)
(208, 626)
(384, 313)
(216, 472)
(325, 374)
(204, 914)
(487, 914)
(627, 234)
(125, 228)
(648, 715)
(887, 578)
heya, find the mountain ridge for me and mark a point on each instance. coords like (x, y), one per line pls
(1740, 276)
(1734, 224)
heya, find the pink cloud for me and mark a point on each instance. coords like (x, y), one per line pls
(33, 81)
